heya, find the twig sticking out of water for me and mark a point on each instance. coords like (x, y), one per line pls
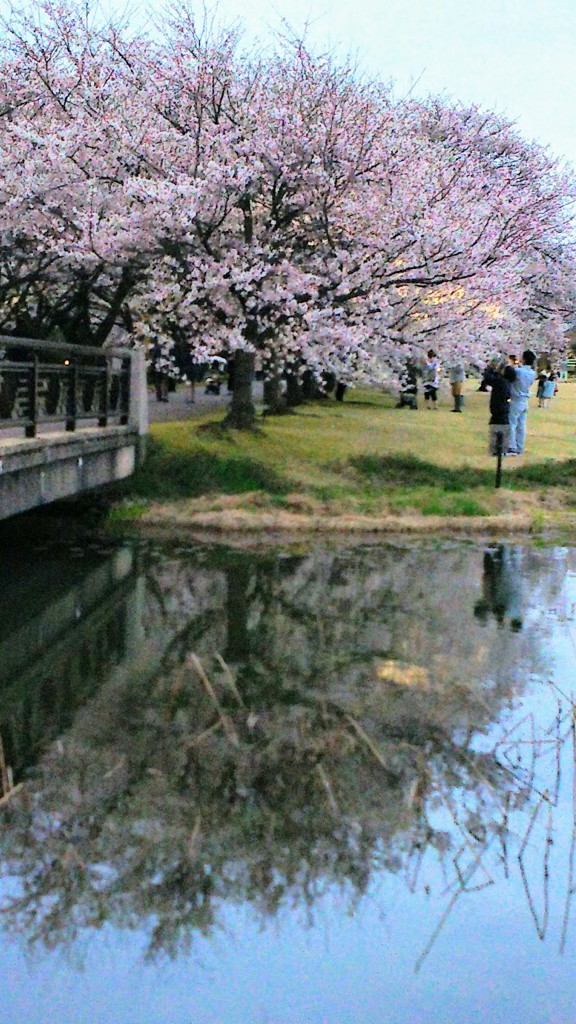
(227, 723)
(369, 743)
(7, 787)
(12, 793)
(329, 791)
(230, 679)
(4, 776)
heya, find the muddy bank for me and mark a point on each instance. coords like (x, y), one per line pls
(268, 525)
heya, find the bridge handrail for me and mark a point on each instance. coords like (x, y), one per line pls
(94, 383)
(9, 341)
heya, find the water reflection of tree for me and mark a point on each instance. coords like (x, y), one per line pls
(154, 811)
(165, 800)
(168, 805)
(296, 621)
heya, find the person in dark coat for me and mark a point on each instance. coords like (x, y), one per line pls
(499, 380)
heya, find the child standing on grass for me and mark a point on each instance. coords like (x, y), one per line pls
(548, 390)
(431, 380)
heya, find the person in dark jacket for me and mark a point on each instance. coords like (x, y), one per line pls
(499, 380)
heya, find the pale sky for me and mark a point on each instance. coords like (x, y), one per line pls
(516, 57)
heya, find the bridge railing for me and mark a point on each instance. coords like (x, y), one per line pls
(47, 382)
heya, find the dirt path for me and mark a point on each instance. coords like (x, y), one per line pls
(179, 406)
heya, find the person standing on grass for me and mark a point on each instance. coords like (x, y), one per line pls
(457, 378)
(431, 380)
(500, 380)
(525, 377)
(548, 389)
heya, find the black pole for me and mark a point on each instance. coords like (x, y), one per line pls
(31, 429)
(104, 394)
(499, 442)
(71, 390)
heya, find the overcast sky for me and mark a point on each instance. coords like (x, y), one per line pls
(515, 56)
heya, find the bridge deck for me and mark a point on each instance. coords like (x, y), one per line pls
(12, 439)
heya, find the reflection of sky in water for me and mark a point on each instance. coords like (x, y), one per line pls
(487, 963)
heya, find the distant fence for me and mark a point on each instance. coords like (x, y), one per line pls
(44, 382)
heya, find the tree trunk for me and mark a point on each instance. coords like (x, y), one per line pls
(293, 390)
(241, 412)
(274, 399)
(309, 385)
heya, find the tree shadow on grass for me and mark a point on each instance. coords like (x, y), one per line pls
(361, 403)
(171, 475)
(408, 470)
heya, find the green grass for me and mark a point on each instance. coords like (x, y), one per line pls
(182, 472)
(364, 456)
(412, 471)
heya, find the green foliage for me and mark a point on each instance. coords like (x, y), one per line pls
(438, 501)
(549, 473)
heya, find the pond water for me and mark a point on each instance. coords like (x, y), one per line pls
(314, 786)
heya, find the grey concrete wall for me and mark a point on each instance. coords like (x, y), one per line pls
(40, 470)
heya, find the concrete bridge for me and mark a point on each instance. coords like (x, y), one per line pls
(72, 418)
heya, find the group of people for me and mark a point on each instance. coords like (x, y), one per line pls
(509, 384)
(430, 373)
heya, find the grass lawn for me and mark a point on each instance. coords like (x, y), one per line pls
(364, 457)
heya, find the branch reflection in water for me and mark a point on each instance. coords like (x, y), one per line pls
(359, 720)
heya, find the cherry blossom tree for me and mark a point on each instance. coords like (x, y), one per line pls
(336, 230)
(276, 206)
(67, 261)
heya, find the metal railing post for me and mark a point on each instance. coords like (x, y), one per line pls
(57, 386)
(124, 398)
(104, 393)
(71, 395)
(31, 428)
